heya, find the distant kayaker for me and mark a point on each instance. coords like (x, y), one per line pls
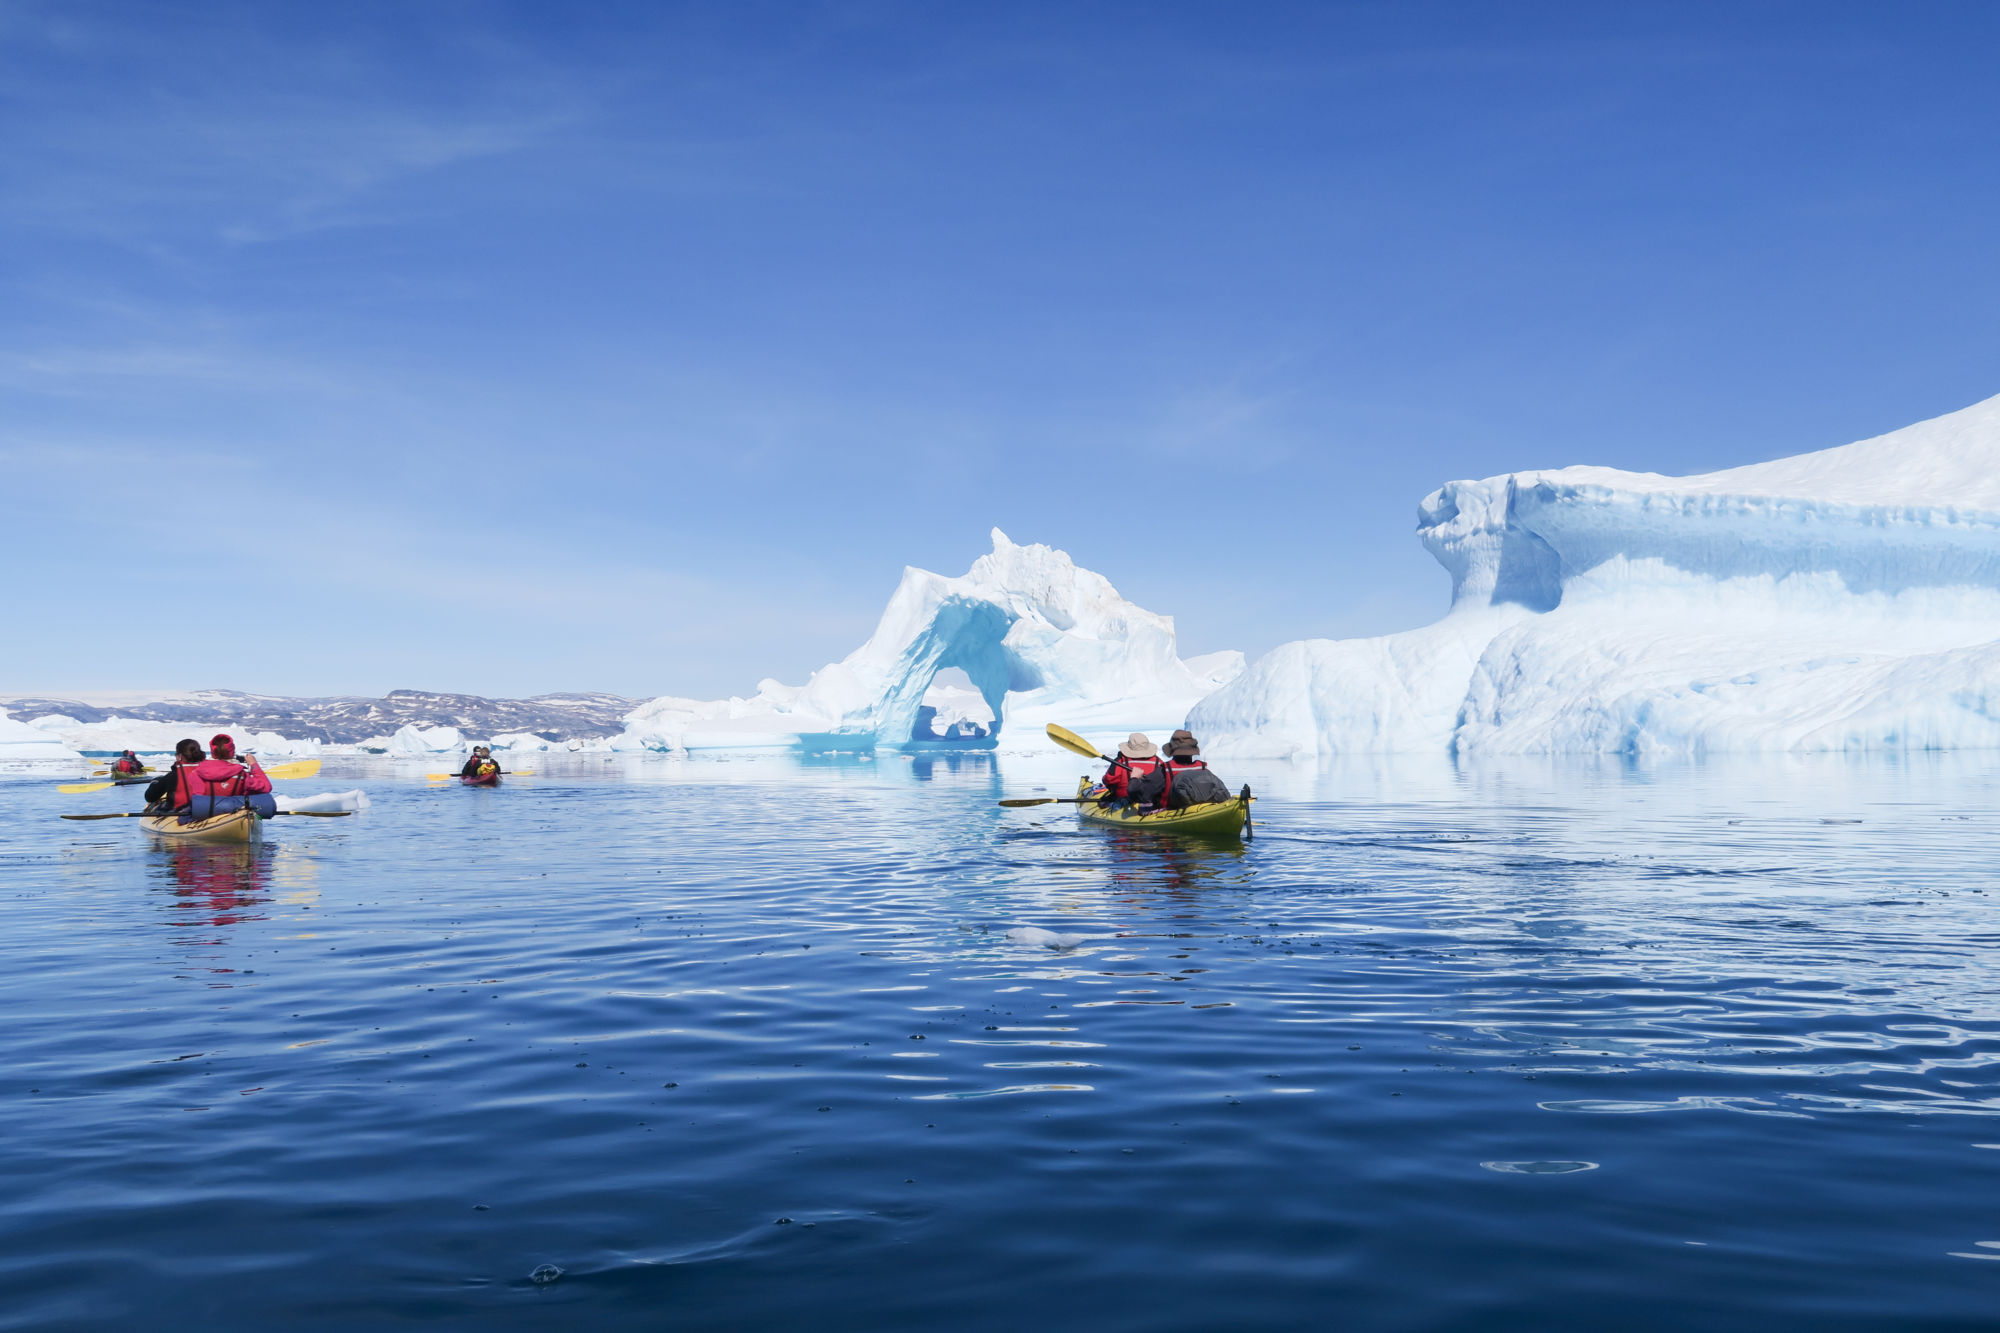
(188, 752)
(127, 765)
(481, 764)
(1181, 780)
(220, 784)
(1136, 758)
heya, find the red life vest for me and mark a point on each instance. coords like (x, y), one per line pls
(124, 765)
(1118, 778)
(190, 781)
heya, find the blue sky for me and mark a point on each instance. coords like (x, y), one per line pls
(523, 347)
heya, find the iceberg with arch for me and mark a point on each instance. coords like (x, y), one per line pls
(1844, 600)
(1038, 638)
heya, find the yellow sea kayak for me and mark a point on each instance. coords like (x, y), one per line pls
(1214, 818)
(236, 826)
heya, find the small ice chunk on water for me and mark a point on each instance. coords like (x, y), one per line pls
(325, 801)
(1047, 939)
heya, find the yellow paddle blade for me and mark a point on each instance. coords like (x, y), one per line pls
(303, 768)
(77, 788)
(1072, 742)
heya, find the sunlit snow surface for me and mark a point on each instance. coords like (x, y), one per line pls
(714, 1043)
(1841, 600)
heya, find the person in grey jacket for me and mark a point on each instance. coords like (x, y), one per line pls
(1182, 780)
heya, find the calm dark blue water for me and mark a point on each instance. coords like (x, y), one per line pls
(746, 1045)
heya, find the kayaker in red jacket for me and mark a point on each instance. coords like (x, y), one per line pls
(219, 785)
(127, 765)
(1137, 757)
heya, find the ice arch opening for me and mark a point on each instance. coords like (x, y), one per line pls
(965, 635)
(954, 711)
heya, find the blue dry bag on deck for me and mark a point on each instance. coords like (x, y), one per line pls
(206, 807)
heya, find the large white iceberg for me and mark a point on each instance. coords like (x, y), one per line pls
(18, 740)
(1039, 639)
(1841, 600)
(150, 737)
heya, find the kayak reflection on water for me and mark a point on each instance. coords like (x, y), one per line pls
(218, 884)
(1183, 866)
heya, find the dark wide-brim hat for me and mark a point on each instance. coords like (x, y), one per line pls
(1183, 742)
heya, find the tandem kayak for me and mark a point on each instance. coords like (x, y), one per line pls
(236, 826)
(1222, 819)
(490, 780)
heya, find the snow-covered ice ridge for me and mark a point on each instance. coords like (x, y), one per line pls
(1039, 638)
(1842, 600)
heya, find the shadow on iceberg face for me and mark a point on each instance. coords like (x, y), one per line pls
(1528, 572)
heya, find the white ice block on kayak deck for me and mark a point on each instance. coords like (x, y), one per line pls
(1047, 939)
(325, 802)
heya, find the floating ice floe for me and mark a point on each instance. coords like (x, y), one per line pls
(324, 802)
(1045, 939)
(1841, 600)
(518, 741)
(415, 741)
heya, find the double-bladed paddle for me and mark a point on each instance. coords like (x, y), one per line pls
(303, 768)
(282, 814)
(1020, 801)
(505, 773)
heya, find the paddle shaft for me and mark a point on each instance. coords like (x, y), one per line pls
(302, 768)
(1021, 801)
(147, 814)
